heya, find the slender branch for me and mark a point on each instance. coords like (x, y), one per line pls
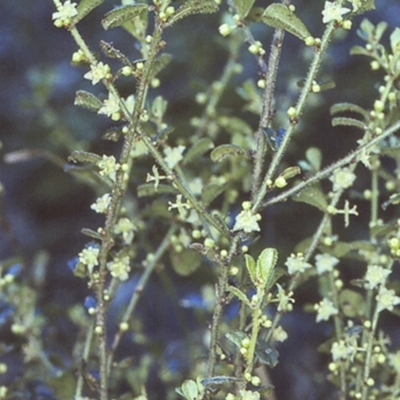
(139, 289)
(299, 110)
(328, 170)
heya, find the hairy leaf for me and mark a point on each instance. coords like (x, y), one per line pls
(84, 157)
(265, 266)
(197, 150)
(348, 107)
(210, 193)
(87, 100)
(239, 294)
(85, 7)
(243, 7)
(193, 7)
(120, 15)
(226, 150)
(312, 196)
(279, 16)
(343, 121)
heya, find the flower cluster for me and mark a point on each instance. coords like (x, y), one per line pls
(102, 203)
(64, 14)
(126, 228)
(342, 179)
(89, 257)
(173, 155)
(108, 167)
(111, 107)
(119, 267)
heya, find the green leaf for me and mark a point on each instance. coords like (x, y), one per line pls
(359, 51)
(189, 390)
(266, 353)
(265, 267)
(251, 267)
(344, 121)
(243, 7)
(314, 158)
(395, 41)
(348, 107)
(85, 7)
(84, 157)
(236, 337)
(366, 5)
(312, 196)
(87, 100)
(190, 7)
(279, 16)
(226, 150)
(120, 15)
(186, 261)
(210, 193)
(160, 63)
(91, 233)
(197, 150)
(240, 295)
(352, 303)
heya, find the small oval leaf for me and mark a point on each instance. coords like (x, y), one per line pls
(120, 15)
(87, 100)
(226, 150)
(239, 294)
(197, 150)
(279, 16)
(265, 266)
(312, 196)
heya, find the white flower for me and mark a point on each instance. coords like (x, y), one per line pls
(343, 351)
(296, 264)
(325, 309)
(333, 12)
(246, 221)
(97, 72)
(88, 257)
(63, 15)
(342, 179)
(325, 263)
(387, 299)
(119, 268)
(173, 155)
(108, 167)
(110, 106)
(376, 276)
(102, 203)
